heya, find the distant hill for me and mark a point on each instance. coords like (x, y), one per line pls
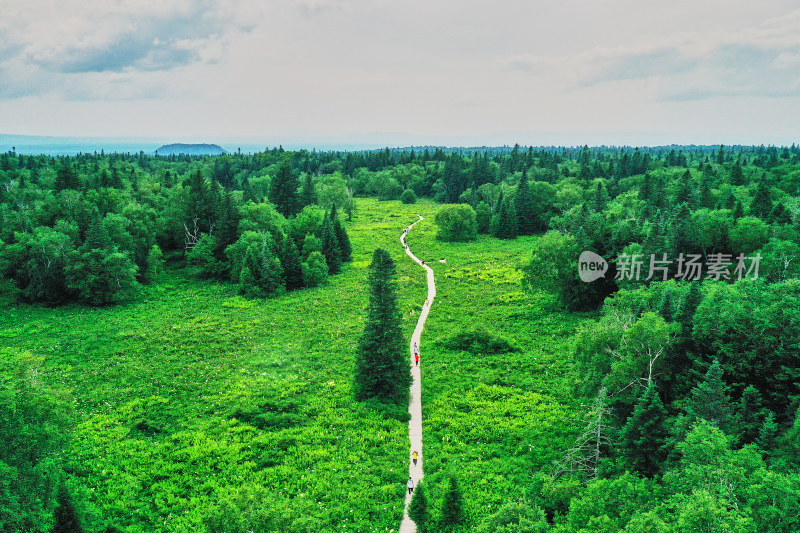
(191, 149)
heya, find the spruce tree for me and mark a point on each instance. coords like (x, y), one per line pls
(65, 515)
(292, 267)
(526, 215)
(227, 227)
(750, 415)
(283, 190)
(330, 247)
(271, 272)
(96, 235)
(505, 221)
(66, 178)
(201, 205)
(762, 204)
(342, 238)
(418, 508)
(308, 196)
(382, 368)
(768, 435)
(710, 400)
(644, 436)
(452, 505)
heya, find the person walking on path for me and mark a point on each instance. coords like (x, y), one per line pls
(410, 485)
(414, 457)
(416, 358)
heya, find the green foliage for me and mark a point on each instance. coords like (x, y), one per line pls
(35, 426)
(202, 255)
(330, 247)
(418, 509)
(100, 277)
(408, 197)
(710, 400)
(155, 264)
(381, 369)
(644, 435)
(515, 518)
(65, 515)
(504, 222)
(478, 341)
(314, 270)
(283, 190)
(457, 223)
(483, 217)
(452, 505)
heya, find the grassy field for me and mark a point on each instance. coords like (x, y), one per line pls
(492, 419)
(193, 394)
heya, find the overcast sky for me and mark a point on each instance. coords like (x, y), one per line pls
(399, 72)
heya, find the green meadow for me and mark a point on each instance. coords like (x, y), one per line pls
(192, 401)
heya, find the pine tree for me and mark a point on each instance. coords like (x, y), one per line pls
(768, 435)
(750, 415)
(227, 227)
(65, 515)
(271, 272)
(308, 195)
(418, 508)
(201, 206)
(292, 267)
(644, 436)
(96, 235)
(452, 505)
(330, 247)
(66, 178)
(342, 238)
(737, 176)
(738, 210)
(382, 369)
(710, 400)
(762, 204)
(666, 307)
(283, 190)
(526, 214)
(505, 223)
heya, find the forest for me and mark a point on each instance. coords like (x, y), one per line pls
(179, 334)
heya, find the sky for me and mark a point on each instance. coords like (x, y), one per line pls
(397, 73)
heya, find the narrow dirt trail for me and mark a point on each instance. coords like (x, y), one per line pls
(415, 399)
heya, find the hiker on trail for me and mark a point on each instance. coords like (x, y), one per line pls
(414, 457)
(416, 358)
(427, 302)
(410, 485)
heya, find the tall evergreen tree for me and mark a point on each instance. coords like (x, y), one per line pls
(308, 195)
(710, 399)
(418, 509)
(96, 235)
(382, 368)
(283, 190)
(762, 204)
(505, 221)
(292, 267)
(452, 505)
(66, 177)
(227, 226)
(644, 436)
(201, 205)
(526, 213)
(330, 246)
(342, 238)
(65, 515)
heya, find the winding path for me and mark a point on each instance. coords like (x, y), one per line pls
(415, 398)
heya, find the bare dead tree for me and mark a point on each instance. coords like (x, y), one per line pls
(584, 456)
(192, 236)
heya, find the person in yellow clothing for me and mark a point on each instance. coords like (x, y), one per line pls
(414, 457)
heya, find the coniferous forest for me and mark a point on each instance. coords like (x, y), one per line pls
(209, 343)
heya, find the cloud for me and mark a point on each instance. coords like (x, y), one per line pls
(761, 61)
(53, 47)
